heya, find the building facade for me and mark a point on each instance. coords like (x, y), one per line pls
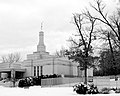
(42, 63)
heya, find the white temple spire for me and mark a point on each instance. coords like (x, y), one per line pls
(41, 47)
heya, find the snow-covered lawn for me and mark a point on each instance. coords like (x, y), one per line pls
(47, 91)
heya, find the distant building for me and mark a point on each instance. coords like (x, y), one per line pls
(42, 63)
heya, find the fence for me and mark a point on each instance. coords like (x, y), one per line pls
(106, 81)
(66, 81)
(101, 82)
(60, 81)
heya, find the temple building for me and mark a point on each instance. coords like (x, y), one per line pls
(42, 63)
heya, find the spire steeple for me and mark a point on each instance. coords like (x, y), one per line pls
(41, 47)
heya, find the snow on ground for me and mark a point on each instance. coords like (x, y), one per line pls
(47, 91)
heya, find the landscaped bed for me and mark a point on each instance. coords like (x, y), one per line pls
(90, 88)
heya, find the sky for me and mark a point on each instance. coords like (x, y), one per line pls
(20, 22)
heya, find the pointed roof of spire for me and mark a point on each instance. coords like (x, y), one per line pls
(41, 26)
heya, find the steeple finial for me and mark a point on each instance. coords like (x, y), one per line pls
(41, 25)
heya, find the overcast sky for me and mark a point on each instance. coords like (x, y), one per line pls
(20, 22)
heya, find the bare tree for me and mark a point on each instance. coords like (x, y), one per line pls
(112, 22)
(60, 53)
(81, 53)
(11, 58)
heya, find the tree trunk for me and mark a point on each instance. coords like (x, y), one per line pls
(112, 54)
(85, 73)
(85, 66)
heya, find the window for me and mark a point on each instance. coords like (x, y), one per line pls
(37, 70)
(34, 70)
(41, 67)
